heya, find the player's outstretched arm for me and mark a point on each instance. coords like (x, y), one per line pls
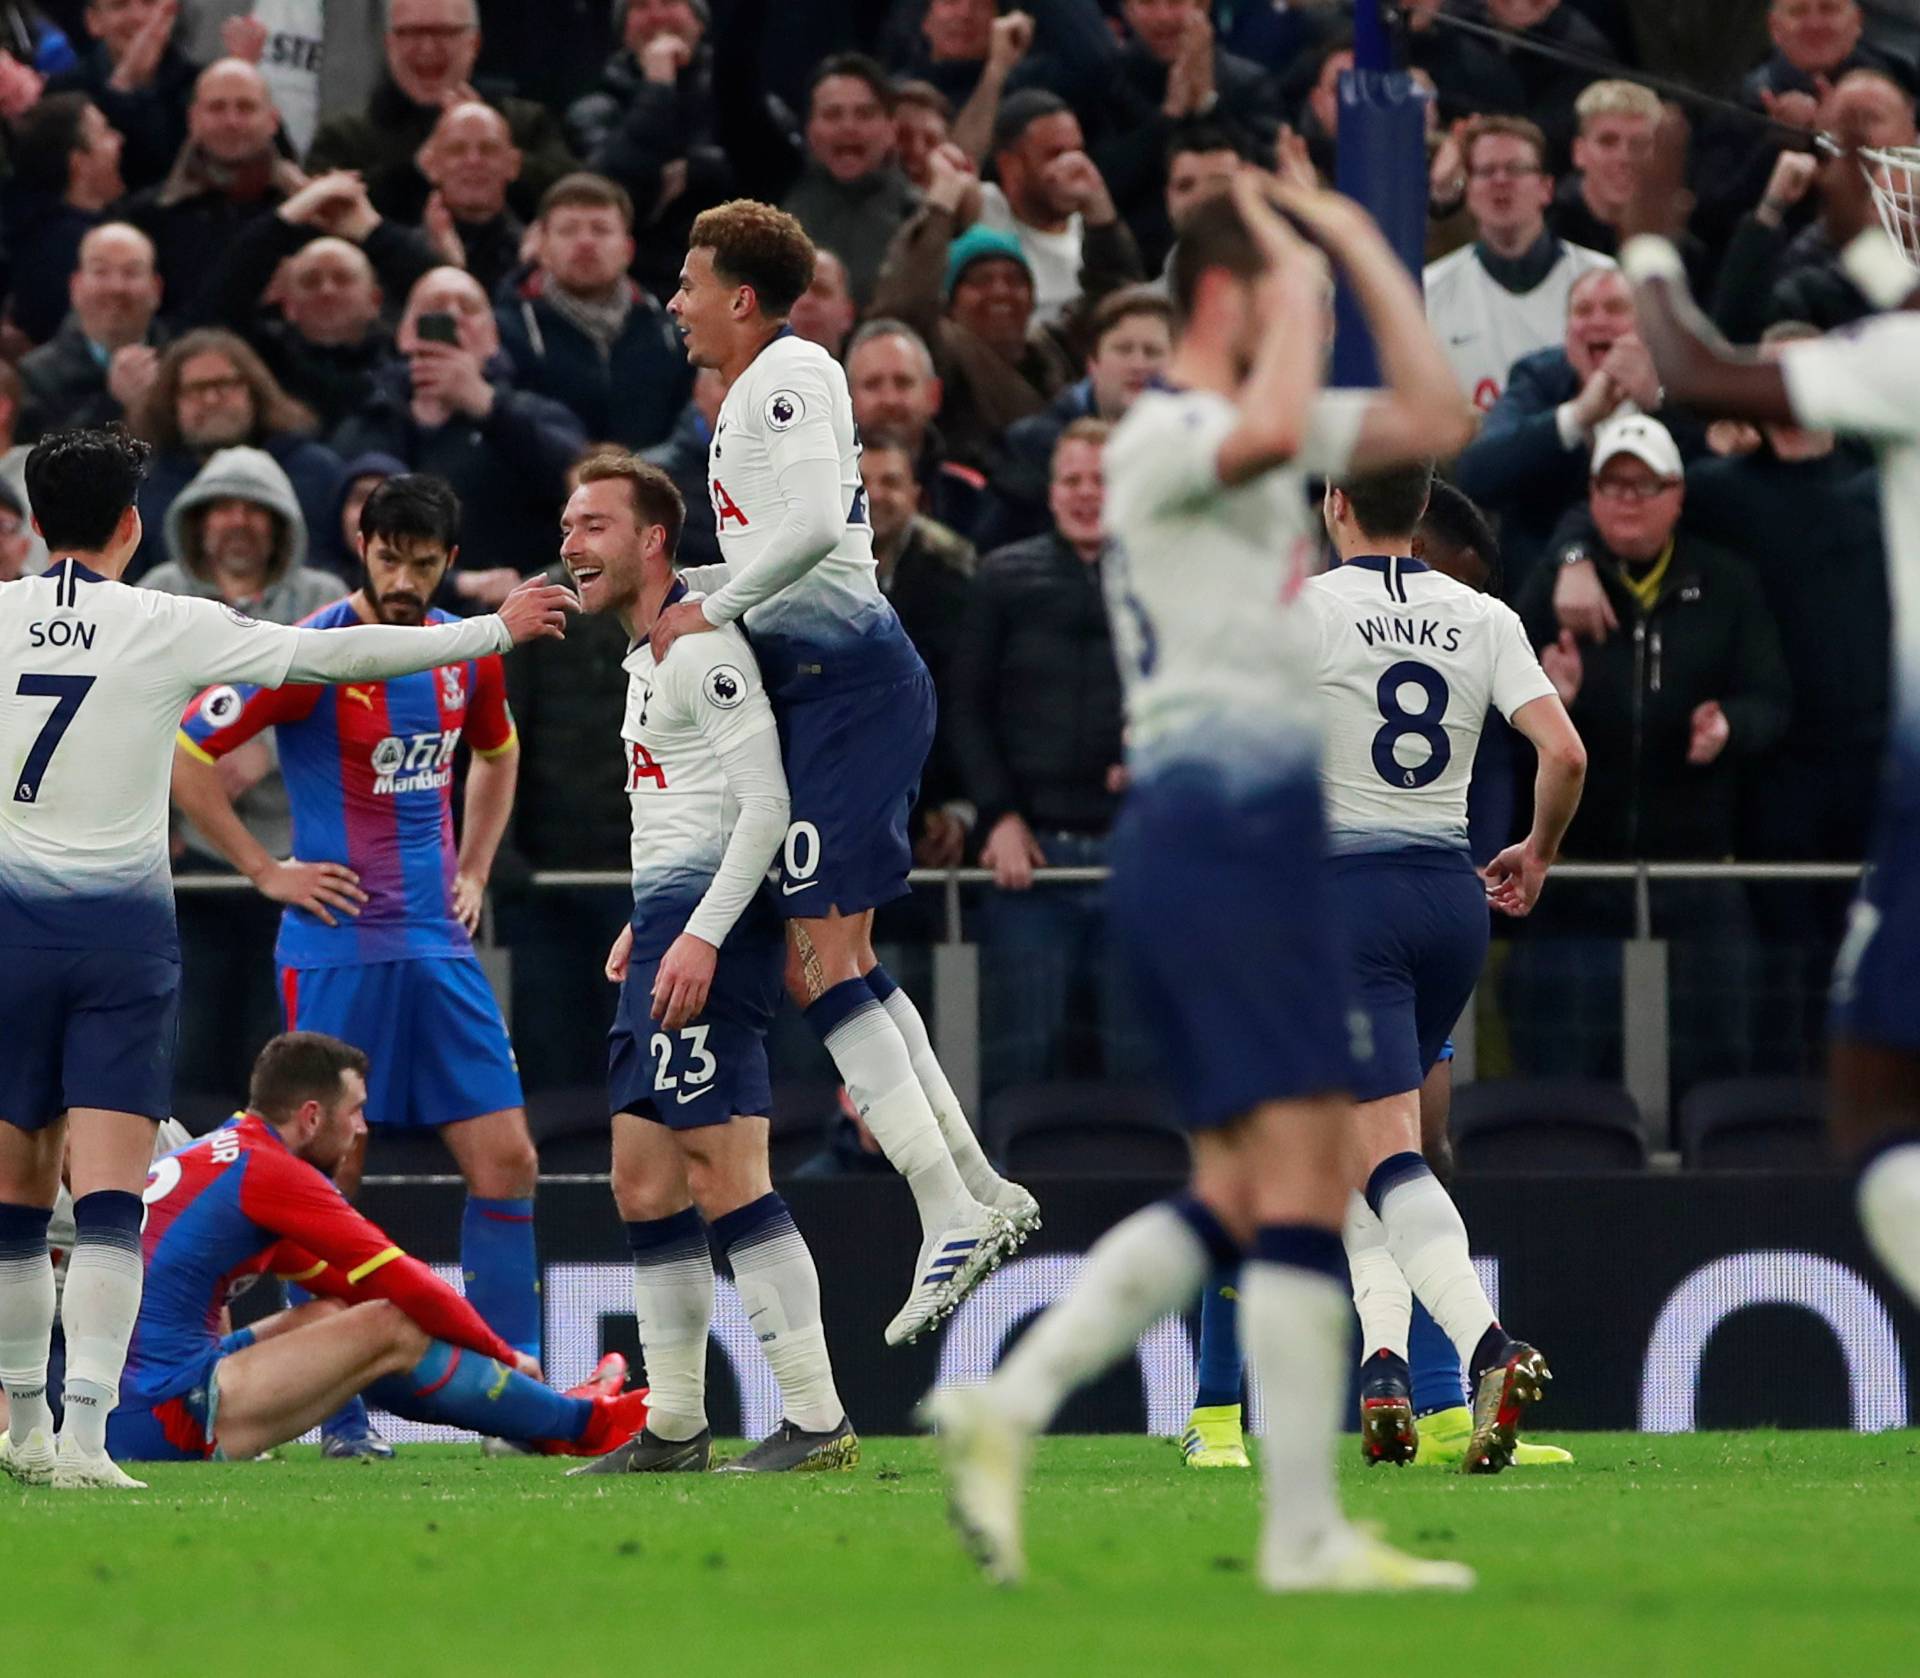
(1422, 414)
(372, 652)
(1514, 878)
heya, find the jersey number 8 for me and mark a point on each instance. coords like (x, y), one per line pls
(1423, 724)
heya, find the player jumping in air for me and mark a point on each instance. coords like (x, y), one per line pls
(1865, 383)
(1218, 900)
(252, 1197)
(96, 675)
(375, 945)
(855, 710)
(699, 968)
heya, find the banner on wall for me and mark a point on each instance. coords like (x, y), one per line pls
(1663, 1303)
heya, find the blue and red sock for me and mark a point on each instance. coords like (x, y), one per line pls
(463, 1389)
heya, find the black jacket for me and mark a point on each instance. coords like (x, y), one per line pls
(43, 235)
(1519, 469)
(509, 470)
(629, 394)
(66, 384)
(1036, 691)
(931, 586)
(683, 457)
(192, 228)
(1709, 636)
(1775, 273)
(569, 699)
(152, 120)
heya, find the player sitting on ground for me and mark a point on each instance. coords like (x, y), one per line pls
(89, 955)
(252, 1198)
(699, 968)
(855, 708)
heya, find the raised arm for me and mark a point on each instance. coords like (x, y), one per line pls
(375, 652)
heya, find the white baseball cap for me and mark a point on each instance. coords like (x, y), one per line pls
(1643, 438)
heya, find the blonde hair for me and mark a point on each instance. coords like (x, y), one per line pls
(1616, 99)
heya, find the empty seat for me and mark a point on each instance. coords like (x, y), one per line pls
(1756, 1124)
(1085, 1128)
(1547, 1124)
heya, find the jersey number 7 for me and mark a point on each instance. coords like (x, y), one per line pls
(66, 692)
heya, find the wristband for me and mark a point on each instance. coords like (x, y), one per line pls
(1879, 268)
(1647, 256)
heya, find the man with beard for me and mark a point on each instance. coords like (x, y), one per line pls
(375, 943)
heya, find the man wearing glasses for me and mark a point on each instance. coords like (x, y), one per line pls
(1505, 295)
(432, 46)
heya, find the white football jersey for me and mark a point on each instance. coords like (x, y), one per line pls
(1865, 382)
(790, 406)
(1409, 661)
(1216, 657)
(1485, 328)
(690, 723)
(96, 675)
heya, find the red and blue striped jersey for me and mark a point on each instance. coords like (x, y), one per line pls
(369, 773)
(237, 1204)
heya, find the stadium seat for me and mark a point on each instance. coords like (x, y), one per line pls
(1085, 1128)
(1756, 1124)
(571, 1130)
(1547, 1124)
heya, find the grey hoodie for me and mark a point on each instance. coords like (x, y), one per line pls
(293, 590)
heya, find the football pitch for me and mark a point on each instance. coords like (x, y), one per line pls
(1750, 1553)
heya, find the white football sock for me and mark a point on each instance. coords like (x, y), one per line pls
(1888, 1199)
(1429, 1243)
(773, 1269)
(872, 1059)
(101, 1304)
(1141, 1269)
(976, 1171)
(1294, 1323)
(1380, 1291)
(673, 1311)
(26, 1319)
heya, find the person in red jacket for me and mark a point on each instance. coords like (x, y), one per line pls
(252, 1197)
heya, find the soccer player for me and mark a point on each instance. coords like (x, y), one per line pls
(1217, 899)
(1409, 662)
(253, 1197)
(1863, 383)
(855, 710)
(89, 959)
(699, 968)
(375, 944)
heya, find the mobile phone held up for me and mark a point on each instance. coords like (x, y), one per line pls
(437, 326)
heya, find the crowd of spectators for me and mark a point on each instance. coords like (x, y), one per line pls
(440, 235)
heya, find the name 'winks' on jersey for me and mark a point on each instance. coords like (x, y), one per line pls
(685, 719)
(792, 405)
(1409, 660)
(1216, 659)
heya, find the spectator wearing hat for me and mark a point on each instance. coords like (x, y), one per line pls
(968, 290)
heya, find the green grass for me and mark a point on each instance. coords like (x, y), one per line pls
(1743, 1554)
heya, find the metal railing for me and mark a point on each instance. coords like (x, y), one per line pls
(1645, 1021)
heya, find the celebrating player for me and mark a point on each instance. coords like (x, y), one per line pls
(699, 970)
(1864, 383)
(97, 673)
(1218, 899)
(855, 710)
(375, 944)
(251, 1198)
(1409, 662)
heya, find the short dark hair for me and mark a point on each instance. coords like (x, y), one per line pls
(1456, 519)
(888, 441)
(925, 96)
(1019, 112)
(1202, 136)
(411, 509)
(1214, 237)
(1487, 127)
(1124, 304)
(756, 245)
(80, 481)
(297, 1067)
(585, 190)
(1388, 502)
(861, 68)
(656, 497)
(44, 138)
